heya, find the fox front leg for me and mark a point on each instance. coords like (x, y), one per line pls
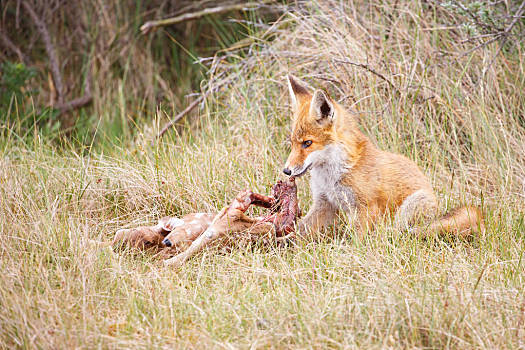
(322, 214)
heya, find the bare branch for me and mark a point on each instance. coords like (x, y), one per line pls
(516, 17)
(475, 18)
(11, 46)
(483, 44)
(502, 35)
(210, 87)
(62, 106)
(80, 101)
(74, 104)
(506, 33)
(187, 110)
(150, 25)
(50, 49)
(370, 69)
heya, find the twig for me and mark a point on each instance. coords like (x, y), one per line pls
(187, 110)
(517, 16)
(472, 38)
(368, 68)
(474, 17)
(80, 101)
(483, 44)
(150, 25)
(62, 106)
(74, 104)
(50, 49)
(10, 45)
(506, 33)
(209, 88)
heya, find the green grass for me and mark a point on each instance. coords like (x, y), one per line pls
(389, 291)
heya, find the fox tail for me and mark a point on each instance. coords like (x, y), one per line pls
(462, 222)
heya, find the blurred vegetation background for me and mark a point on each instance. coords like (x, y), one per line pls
(98, 53)
(56, 52)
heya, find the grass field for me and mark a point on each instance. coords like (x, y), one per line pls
(460, 118)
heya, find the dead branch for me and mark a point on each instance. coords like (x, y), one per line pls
(50, 50)
(516, 17)
(496, 33)
(151, 25)
(80, 101)
(501, 35)
(475, 18)
(11, 46)
(370, 69)
(210, 87)
(505, 35)
(187, 110)
(75, 103)
(62, 106)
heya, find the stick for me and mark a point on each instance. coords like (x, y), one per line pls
(150, 25)
(80, 101)
(9, 44)
(503, 34)
(506, 34)
(62, 106)
(74, 104)
(368, 68)
(50, 49)
(182, 114)
(210, 88)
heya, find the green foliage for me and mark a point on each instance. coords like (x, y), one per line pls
(479, 16)
(15, 77)
(16, 106)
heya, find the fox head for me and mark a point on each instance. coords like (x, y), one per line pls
(314, 127)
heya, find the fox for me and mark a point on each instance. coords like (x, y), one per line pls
(349, 173)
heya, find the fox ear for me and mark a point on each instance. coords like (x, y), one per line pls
(297, 89)
(321, 108)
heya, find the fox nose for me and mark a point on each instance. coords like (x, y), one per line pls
(167, 242)
(287, 171)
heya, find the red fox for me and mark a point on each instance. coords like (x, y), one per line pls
(349, 173)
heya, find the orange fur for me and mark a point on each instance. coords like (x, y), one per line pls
(345, 164)
(462, 221)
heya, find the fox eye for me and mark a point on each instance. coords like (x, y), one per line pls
(306, 143)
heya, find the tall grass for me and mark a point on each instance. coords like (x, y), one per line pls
(463, 128)
(135, 74)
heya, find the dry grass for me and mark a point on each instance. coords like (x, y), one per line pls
(391, 291)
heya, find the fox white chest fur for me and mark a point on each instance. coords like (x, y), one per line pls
(329, 165)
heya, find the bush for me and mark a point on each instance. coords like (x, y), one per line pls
(16, 100)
